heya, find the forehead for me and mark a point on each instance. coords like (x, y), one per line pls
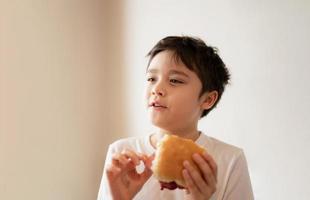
(167, 60)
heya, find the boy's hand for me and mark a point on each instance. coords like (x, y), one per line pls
(123, 179)
(200, 184)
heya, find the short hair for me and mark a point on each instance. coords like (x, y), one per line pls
(199, 58)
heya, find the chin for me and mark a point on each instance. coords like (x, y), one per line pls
(157, 120)
(160, 124)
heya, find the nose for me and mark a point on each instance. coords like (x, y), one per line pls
(159, 90)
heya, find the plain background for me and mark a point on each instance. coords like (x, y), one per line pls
(72, 77)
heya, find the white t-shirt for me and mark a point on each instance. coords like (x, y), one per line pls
(233, 181)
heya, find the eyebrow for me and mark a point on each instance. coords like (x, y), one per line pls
(170, 72)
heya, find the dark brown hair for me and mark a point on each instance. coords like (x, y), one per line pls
(199, 58)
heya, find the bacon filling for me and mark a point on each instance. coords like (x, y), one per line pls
(170, 186)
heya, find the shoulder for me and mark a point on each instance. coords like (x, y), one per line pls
(126, 141)
(223, 147)
(131, 143)
(222, 151)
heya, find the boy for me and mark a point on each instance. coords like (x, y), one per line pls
(186, 79)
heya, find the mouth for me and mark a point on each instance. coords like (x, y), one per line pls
(155, 104)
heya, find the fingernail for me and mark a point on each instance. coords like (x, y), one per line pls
(195, 155)
(186, 163)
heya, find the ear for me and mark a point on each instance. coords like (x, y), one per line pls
(209, 99)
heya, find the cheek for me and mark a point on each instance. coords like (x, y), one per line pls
(147, 92)
(147, 95)
(187, 103)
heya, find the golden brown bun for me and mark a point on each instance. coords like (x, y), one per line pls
(171, 152)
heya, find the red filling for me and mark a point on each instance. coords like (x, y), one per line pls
(170, 186)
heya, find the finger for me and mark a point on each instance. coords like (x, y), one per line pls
(119, 160)
(147, 160)
(186, 189)
(112, 171)
(132, 156)
(123, 162)
(191, 186)
(151, 157)
(196, 177)
(205, 169)
(212, 163)
(146, 173)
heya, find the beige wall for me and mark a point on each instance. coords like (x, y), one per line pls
(60, 94)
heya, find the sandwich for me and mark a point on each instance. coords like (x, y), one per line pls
(170, 154)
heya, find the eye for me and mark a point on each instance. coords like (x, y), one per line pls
(175, 81)
(150, 79)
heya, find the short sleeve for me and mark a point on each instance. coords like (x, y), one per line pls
(239, 184)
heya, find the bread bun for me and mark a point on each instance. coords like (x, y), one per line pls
(170, 154)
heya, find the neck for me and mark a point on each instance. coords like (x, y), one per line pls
(192, 134)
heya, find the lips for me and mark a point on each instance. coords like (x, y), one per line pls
(157, 104)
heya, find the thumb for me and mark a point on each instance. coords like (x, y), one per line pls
(147, 173)
(147, 160)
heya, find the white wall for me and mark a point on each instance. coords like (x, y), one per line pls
(265, 44)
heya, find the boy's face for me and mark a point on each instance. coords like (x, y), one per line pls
(173, 94)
